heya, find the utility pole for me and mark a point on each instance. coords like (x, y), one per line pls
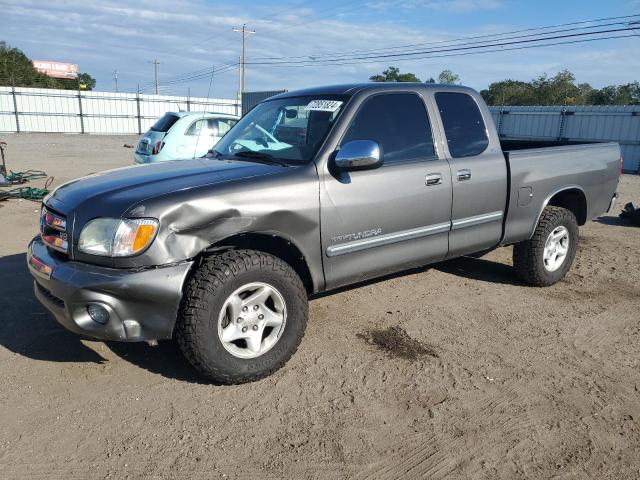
(155, 72)
(243, 59)
(115, 79)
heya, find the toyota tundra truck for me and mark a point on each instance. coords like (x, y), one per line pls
(310, 191)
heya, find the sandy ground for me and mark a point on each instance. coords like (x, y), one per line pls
(456, 371)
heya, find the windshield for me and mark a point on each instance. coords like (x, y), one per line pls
(287, 130)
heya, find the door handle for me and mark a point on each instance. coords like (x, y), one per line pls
(464, 174)
(433, 179)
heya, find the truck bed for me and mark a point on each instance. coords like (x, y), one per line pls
(537, 174)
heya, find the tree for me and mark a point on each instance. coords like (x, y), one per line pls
(18, 70)
(628, 94)
(392, 74)
(88, 80)
(560, 89)
(509, 92)
(448, 78)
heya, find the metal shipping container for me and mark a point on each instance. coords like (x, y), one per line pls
(251, 99)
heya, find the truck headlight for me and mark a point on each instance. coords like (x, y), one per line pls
(114, 237)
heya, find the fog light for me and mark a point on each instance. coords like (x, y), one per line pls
(98, 313)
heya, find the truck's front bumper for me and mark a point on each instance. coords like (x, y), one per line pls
(142, 304)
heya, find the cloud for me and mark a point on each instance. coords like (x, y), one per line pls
(450, 6)
(192, 35)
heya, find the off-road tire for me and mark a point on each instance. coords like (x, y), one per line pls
(206, 291)
(528, 256)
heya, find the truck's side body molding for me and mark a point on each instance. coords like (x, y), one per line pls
(355, 246)
(476, 220)
(386, 239)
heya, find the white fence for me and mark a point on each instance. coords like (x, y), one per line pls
(69, 111)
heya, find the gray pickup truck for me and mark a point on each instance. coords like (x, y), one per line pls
(310, 191)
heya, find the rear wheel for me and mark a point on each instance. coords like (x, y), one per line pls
(546, 257)
(243, 316)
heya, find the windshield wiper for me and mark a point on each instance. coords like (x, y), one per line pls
(261, 157)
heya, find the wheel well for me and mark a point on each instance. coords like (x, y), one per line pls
(272, 244)
(574, 201)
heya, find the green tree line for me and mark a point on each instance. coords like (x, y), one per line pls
(17, 69)
(560, 89)
(392, 74)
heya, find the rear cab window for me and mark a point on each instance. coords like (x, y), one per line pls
(399, 123)
(165, 123)
(463, 124)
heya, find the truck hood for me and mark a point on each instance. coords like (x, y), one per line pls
(114, 191)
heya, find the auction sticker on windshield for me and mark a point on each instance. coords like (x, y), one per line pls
(323, 105)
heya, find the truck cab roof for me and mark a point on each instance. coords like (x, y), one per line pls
(350, 89)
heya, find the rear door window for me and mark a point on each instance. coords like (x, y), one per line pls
(463, 124)
(399, 123)
(165, 123)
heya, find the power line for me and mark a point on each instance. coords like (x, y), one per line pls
(194, 75)
(460, 39)
(447, 46)
(197, 77)
(584, 40)
(198, 74)
(202, 75)
(413, 54)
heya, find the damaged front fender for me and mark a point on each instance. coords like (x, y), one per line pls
(192, 220)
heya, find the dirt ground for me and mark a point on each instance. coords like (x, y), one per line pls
(454, 371)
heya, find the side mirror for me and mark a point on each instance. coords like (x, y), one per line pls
(359, 155)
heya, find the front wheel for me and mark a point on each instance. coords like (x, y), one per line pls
(546, 257)
(243, 316)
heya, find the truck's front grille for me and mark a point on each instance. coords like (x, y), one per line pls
(53, 228)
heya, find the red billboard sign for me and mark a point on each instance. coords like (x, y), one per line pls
(56, 69)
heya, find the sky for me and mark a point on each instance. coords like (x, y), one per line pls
(193, 35)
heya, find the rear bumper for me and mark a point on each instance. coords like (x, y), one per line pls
(142, 304)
